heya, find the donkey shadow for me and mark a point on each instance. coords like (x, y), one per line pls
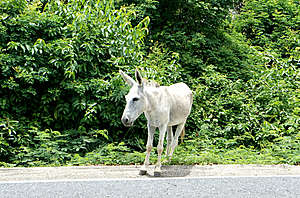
(173, 171)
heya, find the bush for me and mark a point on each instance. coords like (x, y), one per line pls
(61, 95)
(58, 62)
(271, 25)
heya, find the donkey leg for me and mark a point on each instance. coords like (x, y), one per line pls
(175, 139)
(151, 131)
(160, 148)
(169, 139)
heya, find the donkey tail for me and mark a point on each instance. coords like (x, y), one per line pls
(182, 134)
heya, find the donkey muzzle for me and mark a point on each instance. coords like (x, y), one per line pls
(126, 121)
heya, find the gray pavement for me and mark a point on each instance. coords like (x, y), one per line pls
(268, 186)
(176, 181)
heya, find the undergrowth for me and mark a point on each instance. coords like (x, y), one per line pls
(198, 151)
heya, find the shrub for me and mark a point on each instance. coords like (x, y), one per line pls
(57, 74)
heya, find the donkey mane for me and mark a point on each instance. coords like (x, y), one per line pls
(150, 83)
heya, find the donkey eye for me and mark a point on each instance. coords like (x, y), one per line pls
(135, 99)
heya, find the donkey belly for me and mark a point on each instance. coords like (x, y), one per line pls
(178, 115)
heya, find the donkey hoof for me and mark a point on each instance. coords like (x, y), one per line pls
(142, 172)
(157, 173)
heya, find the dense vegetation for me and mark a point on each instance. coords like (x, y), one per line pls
(61, 97)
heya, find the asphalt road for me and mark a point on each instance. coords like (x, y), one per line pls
(268, 186)
(176, 181)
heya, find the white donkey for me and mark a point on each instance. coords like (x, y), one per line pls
(163, 106)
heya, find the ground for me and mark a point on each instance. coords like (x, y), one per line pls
(101, 172)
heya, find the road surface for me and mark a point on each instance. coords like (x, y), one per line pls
(176, 181)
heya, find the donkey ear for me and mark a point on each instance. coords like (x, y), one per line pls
(127, 78)
(138, 77)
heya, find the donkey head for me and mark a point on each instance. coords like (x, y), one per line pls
(135, 99)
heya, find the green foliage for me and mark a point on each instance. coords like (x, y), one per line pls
(199, 150)
(195, 30)
(110, 154)
(271, 24)
(57, 62)
(61, 97)
(253, 113)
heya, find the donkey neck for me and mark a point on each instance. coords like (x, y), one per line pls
(153, 96)
(157, 106)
